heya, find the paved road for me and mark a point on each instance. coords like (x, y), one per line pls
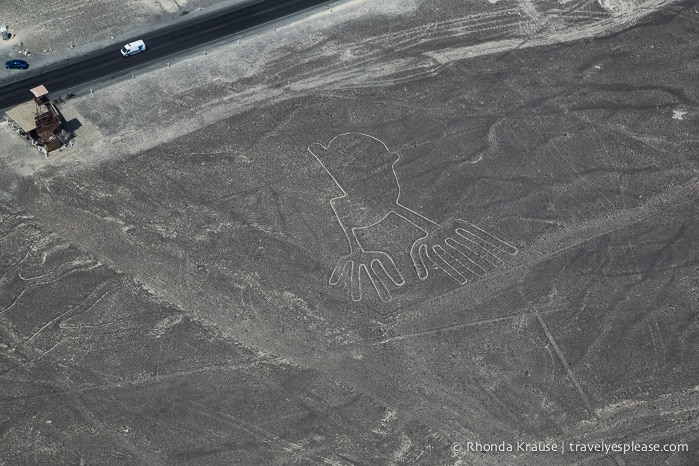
(108, 61)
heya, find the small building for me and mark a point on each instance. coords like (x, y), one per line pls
(40, 121)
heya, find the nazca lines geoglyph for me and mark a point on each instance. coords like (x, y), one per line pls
(363, 168)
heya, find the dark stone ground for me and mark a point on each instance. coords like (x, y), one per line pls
(174, 306)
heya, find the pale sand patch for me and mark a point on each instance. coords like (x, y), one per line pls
(163, 103)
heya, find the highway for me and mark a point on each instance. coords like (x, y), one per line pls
(109, 63)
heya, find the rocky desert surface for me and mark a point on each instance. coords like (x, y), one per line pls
(399, 232)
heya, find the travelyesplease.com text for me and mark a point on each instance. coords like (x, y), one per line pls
(567, 446)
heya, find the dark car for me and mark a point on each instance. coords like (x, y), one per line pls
(16, 65)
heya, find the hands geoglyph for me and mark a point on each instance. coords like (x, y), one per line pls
(363, 169)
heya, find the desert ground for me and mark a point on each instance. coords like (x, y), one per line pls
(372, 233)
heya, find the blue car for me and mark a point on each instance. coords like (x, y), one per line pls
(16, 65)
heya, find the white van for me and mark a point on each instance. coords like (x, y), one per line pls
(132, 48)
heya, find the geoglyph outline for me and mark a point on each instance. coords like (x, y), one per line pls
(458, 248)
